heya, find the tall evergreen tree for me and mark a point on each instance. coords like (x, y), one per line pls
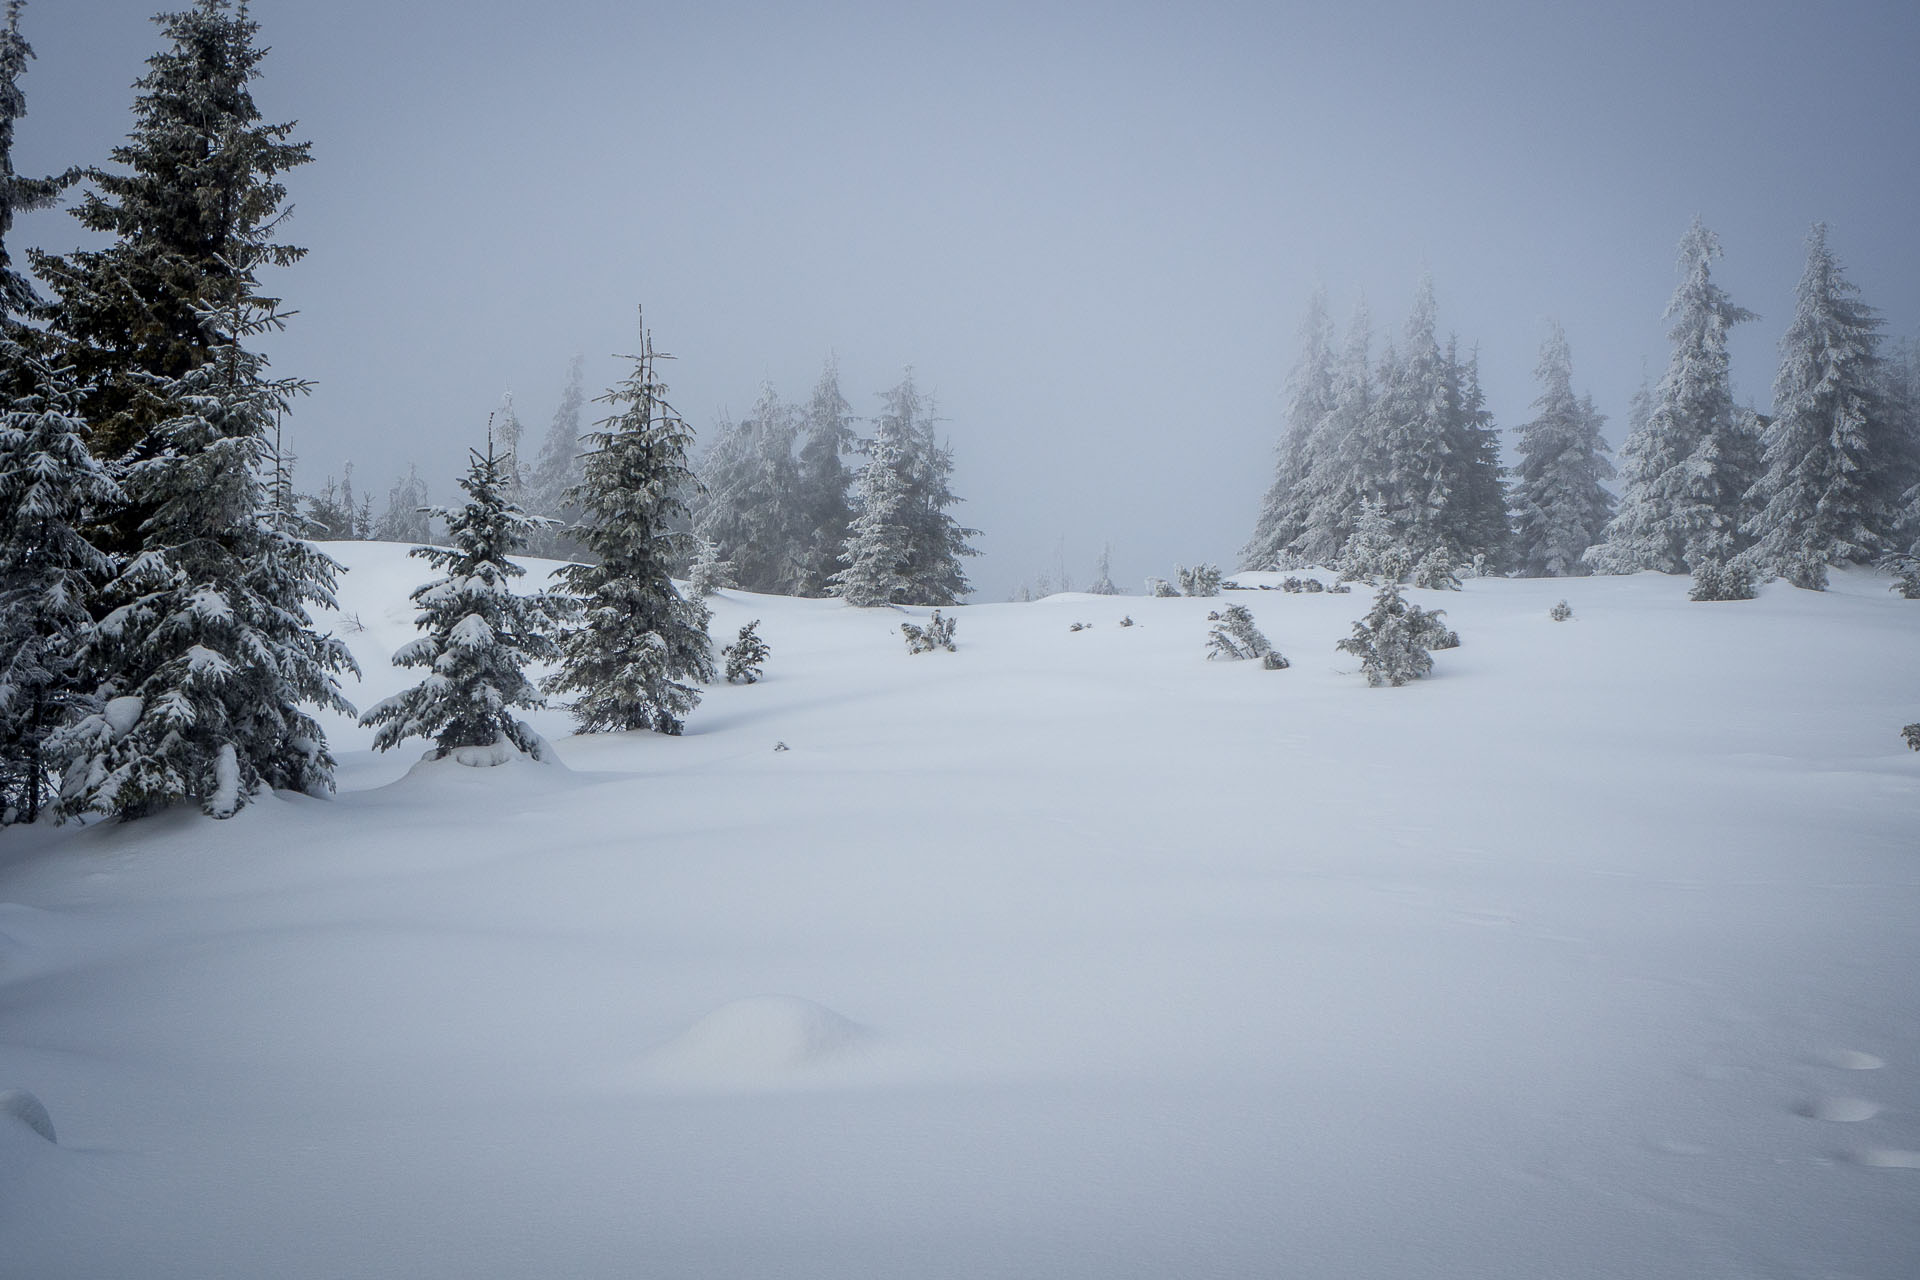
(1333, 500)
(207, 660)
(557, 471)
(1405, 466)
(49, 573)
(480, 634)
(936, 542)
(1833, 450)
(874, 563)
(201, 175)
(1474, 522)
(1686, 474)
(1311, 388)
(750, 507)
(407, 517)
(1561, 505)
(824, 481)
(640, 643)
(17, 194)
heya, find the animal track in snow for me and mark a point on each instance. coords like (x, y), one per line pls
(1839, 1110)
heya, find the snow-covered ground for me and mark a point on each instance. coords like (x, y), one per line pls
(1067, 954)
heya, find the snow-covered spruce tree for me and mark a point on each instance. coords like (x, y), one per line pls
(1475, 528)
(709, 572)
(937, 634)
(49, 572)
(746, 655)
(1372, 550)
(1286, 510)
(1392, 640)
(506, 435)
(641, 645)
(1833, 453)
(406, 518)
(1911, 734)
(1403, 463)
(936, 542)
(1686, 473)
(480, 634)
(557, 469)
(206, 663)
(199, 174)
(826, 424)
(1714, 580)
(749, 506)
(1332, 500)
(1234, 637)
(875, 561)
(1561, 505)
(1103, 574)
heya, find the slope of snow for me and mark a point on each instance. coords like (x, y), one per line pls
(1067, 954)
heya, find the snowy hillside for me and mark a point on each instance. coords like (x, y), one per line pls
(1067, 954)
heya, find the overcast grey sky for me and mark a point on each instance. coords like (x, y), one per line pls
(1091, 229)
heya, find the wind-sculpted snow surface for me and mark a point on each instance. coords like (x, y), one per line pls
(1589, 955)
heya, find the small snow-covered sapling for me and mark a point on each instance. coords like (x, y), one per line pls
(937, 634)
(1201, 580)
(1392, 640)
(1714, 580)
(1912, 734)
(1560, 612)
(1234, 637)
(745, 656)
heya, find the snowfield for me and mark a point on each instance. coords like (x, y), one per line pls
(1070, 954)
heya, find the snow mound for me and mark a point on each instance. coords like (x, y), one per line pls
(761, 1040)
(498, 754)
(29, 1111)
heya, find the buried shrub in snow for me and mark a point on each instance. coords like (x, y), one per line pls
(1560, 612)
(1393, 640)
(1201, 580)
(1162, 588)
(1435, 572)
(1274, 660)
(937, 634)
(1912, 734)
(1234, 637)
(745, 655)
(1715, 580)
(1906, 575)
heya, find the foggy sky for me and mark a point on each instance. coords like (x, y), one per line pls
(1092, 230)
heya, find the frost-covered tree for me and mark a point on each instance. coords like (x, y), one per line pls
(407, 518)
(50, 572)
(479, 634)
(1474, 525)
(1332, 500)
(640, 645)
(750, 505)
(1286, 511)
(557, 470)
(746, 655)
(206, 663)
(1373, 550)
(198, 175)
(1686, 473)
(1560, 503)
(1234, 636)
(507, 434)
(1403, 462)
(709, 572)
(823, 482)
(874, 564)
(1103, 574)
(936, 542)
(1393, 640)
(1833, 456)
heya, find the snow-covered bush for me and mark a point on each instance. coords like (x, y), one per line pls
(1392, 641)
(1234, 637)
(1560, 612)
(937, 634)
(745, 655)
(1912, 734)
(1081, 626)
(1162, 588)
(1337, 589)
(1201, 580)
(1722, 580)
(1274, 660)
(1906, 575)
(1435, 572)
(1128, 621)
(1308, 585)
